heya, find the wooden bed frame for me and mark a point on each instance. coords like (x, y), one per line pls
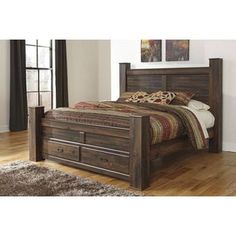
(127, 153)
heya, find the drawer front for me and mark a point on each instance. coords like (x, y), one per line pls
(106, 160)
(69, 135)
(61, 150)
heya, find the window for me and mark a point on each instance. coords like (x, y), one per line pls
(39, 73)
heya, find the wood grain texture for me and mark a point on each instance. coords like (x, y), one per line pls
(198, 174)
(216, 102)
(35, 128)
(123, 76)
(140, 151)
(194, 80)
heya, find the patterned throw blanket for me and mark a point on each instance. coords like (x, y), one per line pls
(167, 121)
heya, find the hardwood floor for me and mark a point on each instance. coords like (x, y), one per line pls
(201, 174)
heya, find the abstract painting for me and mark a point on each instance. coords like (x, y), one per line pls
(177, 50)
(150, 50)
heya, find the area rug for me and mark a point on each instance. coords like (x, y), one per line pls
(22, 178)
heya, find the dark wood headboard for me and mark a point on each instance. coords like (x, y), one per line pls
(205, 82)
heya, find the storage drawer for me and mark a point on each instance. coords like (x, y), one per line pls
(62, 150)
(107, 160)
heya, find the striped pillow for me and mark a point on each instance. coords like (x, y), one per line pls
(182, 98)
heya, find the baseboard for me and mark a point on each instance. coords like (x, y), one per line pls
(230, 147)
(4, 128)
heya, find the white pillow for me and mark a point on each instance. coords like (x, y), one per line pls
(197, 105)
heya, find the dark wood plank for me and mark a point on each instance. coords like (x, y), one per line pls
(87, 167)
(168, 148)
(67, 151)
(140, 151)
(147, 83)
(96, 129)
(99, 148)
(169, 71)
(35, 133)
(164, 82)
(124, 67)
(107, 160)
(215, 101)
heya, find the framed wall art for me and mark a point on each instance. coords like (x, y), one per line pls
(177, 50)
(151, 50)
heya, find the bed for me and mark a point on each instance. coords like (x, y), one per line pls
(120, 144)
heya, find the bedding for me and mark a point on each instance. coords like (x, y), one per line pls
(197, 105)
(166, 121)
(160, 97)
(182, 98)
(138, 97)
(204, 116)
(174, 98)
(205, 119)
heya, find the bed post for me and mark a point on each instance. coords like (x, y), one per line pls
(215, 101)
(35, 139)
(139, 151)
(123, 76)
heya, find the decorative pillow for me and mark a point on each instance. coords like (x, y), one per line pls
(182, 98)
(125, 96)
(138, 97)
(197, 105)
(160, 97)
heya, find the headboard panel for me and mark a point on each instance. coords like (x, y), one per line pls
(195, 83)
(194, 79)
(149, 83)
(205, 82)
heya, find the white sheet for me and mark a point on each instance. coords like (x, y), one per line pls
(197, 105)
(205, 118)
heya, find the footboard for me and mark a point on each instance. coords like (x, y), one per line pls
(118, 152)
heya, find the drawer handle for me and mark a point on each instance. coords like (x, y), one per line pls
(60, 150)
(103, 159)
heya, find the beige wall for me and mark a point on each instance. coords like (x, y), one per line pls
(104, 70)
(89, 70)
(82, 59)
(4, 84)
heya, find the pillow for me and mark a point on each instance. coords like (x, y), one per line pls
(160, 97)
(138, 97)
(182, 98)
(125, 96)
(197, 105)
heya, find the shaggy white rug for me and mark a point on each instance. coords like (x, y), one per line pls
(22, 178)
